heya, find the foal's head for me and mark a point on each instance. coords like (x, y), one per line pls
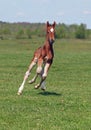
(51, 32)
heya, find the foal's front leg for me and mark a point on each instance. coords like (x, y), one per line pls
(33, 63)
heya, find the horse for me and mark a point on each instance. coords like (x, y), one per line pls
(43, 57)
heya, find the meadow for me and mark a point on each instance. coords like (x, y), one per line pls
(66, 103)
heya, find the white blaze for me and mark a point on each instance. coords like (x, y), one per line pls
(51, 29)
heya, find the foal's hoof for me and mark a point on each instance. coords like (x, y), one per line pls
(30, 81)
(37, 86)
(19, 93)
(43, 89)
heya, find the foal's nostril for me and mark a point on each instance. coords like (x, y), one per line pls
(52, 40)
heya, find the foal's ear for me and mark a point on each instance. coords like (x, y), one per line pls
(47, 23)
(54, 24)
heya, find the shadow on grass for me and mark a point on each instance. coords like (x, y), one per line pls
(46, 93)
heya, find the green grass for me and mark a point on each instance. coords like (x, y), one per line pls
(66, 104)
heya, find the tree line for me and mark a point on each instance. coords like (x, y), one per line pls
(28, 30)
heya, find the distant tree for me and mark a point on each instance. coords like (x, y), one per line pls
(88, 33)
(20, 34)
(81, 32)
(62, 31)
(6, 31)
(72, 30)
(57, 32)
(1, 32)
(28, 32)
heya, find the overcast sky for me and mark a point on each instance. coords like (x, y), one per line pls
(61, 11)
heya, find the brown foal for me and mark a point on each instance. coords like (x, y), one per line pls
(43, 57)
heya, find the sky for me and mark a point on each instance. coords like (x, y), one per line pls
(40, 11)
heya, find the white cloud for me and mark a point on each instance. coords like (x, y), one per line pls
(87, 12)
(41, 1)
(44, 0)
(20, 14)
(61, 13)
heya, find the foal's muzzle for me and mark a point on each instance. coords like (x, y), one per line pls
(51, 41)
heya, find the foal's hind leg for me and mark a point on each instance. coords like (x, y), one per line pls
(43, 85)
(43, 77)
(33, 79)
(33, 63)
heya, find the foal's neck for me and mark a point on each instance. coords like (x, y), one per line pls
(48, 48)
(47, 43)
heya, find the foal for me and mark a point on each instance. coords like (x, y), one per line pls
(43, 57)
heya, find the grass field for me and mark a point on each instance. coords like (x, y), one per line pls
(66, 104)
